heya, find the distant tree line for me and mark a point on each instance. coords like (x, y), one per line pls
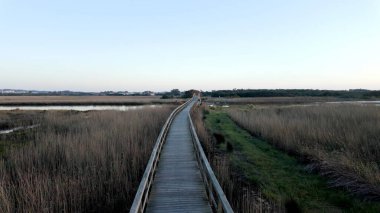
(355, 93)
(176, 93)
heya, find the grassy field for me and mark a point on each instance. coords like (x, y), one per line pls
(78, 161)
(342, 141)
(84, 100)
(281, 181)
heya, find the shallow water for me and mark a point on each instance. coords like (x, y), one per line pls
(78, 108)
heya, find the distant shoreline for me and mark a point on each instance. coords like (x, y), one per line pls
(84, 100)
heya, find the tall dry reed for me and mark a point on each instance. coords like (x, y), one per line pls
(16, 118)
(80, 162)
(343, 141)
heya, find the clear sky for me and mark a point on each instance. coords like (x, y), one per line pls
(158, 45)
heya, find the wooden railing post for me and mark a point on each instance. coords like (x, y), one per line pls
(219, 200)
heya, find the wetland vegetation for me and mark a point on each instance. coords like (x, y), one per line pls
(294, 158)
(77, 161)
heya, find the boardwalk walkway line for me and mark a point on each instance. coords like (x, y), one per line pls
(178, 185)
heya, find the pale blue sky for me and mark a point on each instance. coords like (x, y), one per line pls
(138, 45)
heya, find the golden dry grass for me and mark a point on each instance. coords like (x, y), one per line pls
(80, 162)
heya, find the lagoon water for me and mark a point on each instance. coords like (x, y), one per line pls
(78, 108)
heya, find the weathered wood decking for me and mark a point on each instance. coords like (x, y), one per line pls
(178, 185)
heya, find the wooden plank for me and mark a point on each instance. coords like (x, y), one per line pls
(178, 185)
(139, 202)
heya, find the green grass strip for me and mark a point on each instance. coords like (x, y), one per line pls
(280, 176)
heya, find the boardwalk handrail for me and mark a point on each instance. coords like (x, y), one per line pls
(215, 192)
(142, 194)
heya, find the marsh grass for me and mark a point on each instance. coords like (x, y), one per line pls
(15, 118)
(280, 177)
(242, 195)
(80, 162)
(339, 141)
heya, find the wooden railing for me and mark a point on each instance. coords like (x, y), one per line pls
(215, 193)
(142, 194)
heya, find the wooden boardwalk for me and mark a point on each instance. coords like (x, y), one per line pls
(178, 185)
